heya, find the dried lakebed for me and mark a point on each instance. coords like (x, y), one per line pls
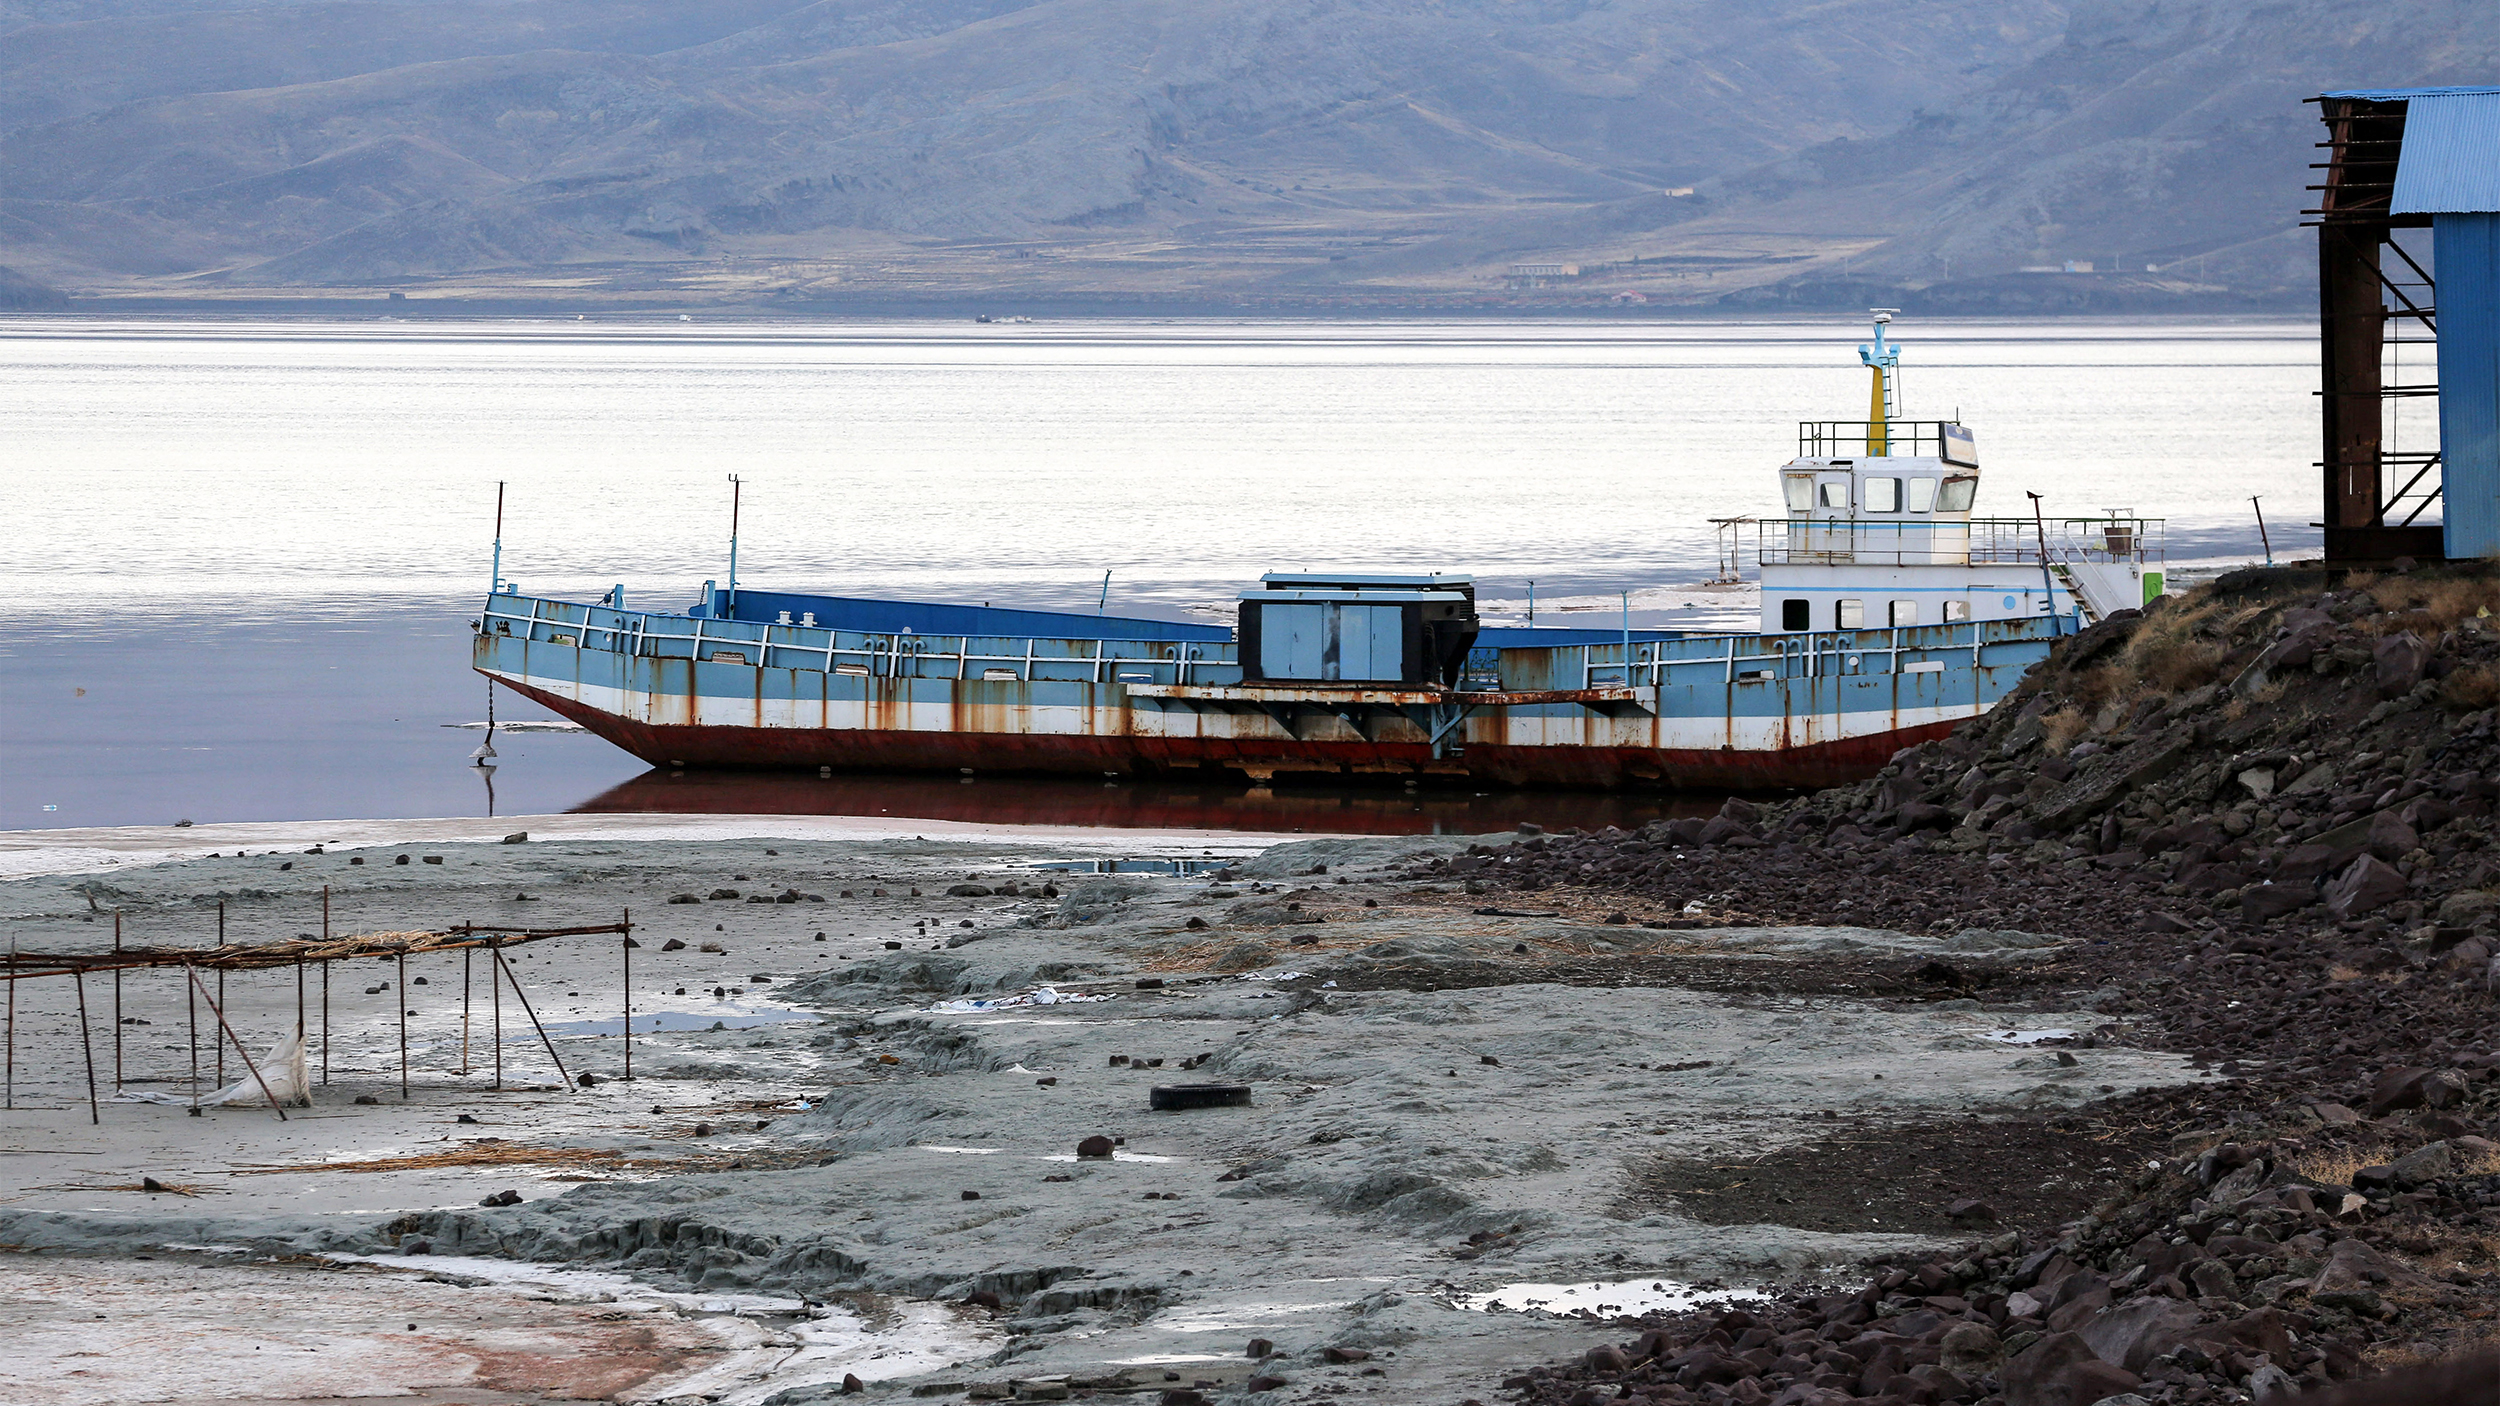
(1436, 1116)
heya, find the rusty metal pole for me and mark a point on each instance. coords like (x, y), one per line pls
(628, 951)
(117, 1003)
(465, 955)
(325, 987)
(494, 953)
(191, 998)
(95, 1114)
(244, 1054)
(220, 1003)
(524, 997)
(2048, 582)
(401, 994)
(12, 1038)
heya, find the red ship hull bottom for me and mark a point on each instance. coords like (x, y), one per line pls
(1607, 768)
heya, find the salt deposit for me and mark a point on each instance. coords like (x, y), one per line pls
(1432, 1125)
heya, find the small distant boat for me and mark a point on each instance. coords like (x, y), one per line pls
(1889, 613)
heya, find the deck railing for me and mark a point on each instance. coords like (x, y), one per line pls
(1738, 659)
(1929, 541)
(994, 658)
(1835, 439)
(1689, 660)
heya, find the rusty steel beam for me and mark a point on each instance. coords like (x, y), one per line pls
(2365, 138)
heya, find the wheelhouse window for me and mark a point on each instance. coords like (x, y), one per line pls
(1956, 610)
(1849, 615)
(1922, 495)
(1800, 489)
(1955, 495)
(1881, 495)
(1904, 612)
(1796, 615)
(1835, 493)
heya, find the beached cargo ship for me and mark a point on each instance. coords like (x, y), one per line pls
(1889, 614)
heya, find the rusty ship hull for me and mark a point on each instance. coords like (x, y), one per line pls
(782, 681)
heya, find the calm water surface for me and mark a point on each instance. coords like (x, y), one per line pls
(240, 554)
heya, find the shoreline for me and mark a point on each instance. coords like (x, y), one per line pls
(35, 853)
(1447, 1103)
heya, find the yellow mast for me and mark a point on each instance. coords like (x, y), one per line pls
(1882, 359)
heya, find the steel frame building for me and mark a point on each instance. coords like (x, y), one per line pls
(2399, 159)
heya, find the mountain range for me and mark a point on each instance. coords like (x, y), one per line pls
(1732, 152)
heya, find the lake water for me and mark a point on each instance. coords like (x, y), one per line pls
(241, 554)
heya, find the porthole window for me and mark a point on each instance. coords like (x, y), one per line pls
(2009, 602)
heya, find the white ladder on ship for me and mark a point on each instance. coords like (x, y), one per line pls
(2089, 611)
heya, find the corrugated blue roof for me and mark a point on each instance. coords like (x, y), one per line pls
(2397, 95)
(2451, 158)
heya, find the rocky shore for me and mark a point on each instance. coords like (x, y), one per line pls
(2266, 809)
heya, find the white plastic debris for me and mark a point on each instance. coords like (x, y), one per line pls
(2029, 1037)
(282, 1068)
(1038, 996)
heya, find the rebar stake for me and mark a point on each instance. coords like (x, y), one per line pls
(246, 1055)
(95, 1114)
(524, 998)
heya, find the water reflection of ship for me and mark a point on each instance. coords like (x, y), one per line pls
(1133, 804)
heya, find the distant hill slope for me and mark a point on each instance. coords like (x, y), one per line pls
(348, 142)
(750, 148)
(2169, 134)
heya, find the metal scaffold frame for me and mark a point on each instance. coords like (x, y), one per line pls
(297, 954)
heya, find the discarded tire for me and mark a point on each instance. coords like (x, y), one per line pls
(1173, 1097)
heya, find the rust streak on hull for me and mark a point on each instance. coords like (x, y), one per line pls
(896, 749)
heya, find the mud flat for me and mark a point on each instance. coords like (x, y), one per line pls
(1469, 1135)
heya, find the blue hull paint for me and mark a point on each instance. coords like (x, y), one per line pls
(880, 685)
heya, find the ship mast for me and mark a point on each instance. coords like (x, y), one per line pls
(1884, 359)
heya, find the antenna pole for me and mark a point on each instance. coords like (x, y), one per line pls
(736, 488)
(498, 586)
(2048, 583)
(1105, 602)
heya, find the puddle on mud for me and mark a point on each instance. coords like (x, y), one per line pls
(1620, 1298)
(1238, 1317)
(800, 1345)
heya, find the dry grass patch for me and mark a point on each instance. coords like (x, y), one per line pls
(2334, 1166)
(2474, 687)
(2447, 601)
(474, 1155)
(2062, 729)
